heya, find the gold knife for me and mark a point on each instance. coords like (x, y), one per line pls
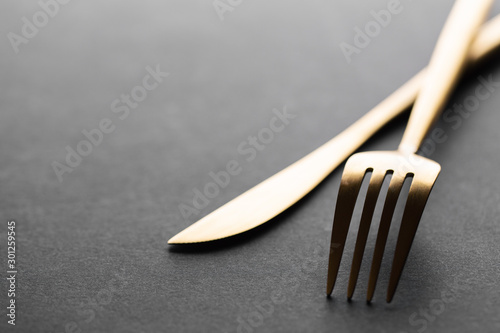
(280, 191)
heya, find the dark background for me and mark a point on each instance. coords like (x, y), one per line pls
(92, 250)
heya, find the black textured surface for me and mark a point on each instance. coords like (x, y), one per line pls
(92, 251)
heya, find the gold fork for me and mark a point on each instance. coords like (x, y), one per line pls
(444, 68)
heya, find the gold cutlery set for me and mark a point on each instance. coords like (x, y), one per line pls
(462, 43)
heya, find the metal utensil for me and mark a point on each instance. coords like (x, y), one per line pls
(441, 76)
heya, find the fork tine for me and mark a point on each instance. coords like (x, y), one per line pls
(372, 194)
(417, 198)
(393, 192)
(346, 200)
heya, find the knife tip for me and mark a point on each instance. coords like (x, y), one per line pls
(186, 238)
(177, 239)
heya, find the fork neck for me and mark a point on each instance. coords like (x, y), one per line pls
(446, 65)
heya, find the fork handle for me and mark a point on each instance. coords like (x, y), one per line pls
(446, 65)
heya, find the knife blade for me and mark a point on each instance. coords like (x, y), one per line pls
(280, 191)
